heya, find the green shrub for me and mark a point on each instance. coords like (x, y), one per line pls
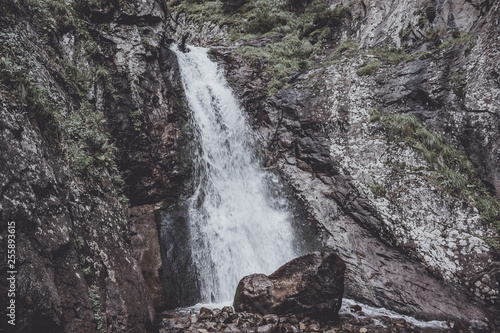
(279, 60)
(303, 33)
(393, 55)
(369, 67)
(90, 150)
(95, 299)
(375, 115)
(347, 48)
(456, 39)
(458, 82)
(265, 20)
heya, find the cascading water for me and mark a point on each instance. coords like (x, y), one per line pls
(238, 226)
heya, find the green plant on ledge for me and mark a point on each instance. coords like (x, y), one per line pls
(346, 48)
(369, 67)
(378, 190)
(393, 55)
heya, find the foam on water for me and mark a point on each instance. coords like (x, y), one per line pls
(373, 312)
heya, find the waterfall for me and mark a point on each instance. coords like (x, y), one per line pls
(238, 221)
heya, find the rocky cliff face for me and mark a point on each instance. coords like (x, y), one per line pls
(89, 117)
(390, 140)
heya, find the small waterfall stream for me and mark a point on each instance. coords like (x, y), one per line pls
(238, 224)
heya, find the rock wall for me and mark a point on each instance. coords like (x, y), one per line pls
(90, 115)
(465, 38)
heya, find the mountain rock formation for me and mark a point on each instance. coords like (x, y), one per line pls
(382, 116)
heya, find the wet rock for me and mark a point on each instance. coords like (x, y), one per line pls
(180, 321)
(228, 309)
(205, 312)
(268, 328)
(311, 285)
(146, 249)
(288, 328)
(355, 308)
(313, 328)
(270, 319)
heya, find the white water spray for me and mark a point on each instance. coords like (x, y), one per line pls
(237, 225)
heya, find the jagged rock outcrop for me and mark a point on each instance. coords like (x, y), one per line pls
(311, 285)
(349, 220)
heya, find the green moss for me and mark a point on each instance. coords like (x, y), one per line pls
(95, 299)
(279, 60)
(79, 243)
(375, 115)
(435, 35)
(455, 173)
(90, 151)
(136, 118)
(347, 48)
(456, 39)
(79, 132)
(393, 55)
(23, 92)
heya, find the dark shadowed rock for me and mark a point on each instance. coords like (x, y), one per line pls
(311, 285)
(231, 5)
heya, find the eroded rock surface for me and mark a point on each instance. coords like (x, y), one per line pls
(311, 285)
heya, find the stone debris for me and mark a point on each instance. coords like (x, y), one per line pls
(226, 320)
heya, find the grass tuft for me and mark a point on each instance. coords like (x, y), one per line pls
(369, 67)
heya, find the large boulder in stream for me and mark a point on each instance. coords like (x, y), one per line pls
(311, 285)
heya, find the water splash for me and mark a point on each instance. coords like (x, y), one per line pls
(238, 225)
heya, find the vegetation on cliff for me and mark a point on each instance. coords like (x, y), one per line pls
(77, 127)
(279, 37)
(456, 173)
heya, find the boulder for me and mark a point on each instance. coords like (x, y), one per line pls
(311, 285)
